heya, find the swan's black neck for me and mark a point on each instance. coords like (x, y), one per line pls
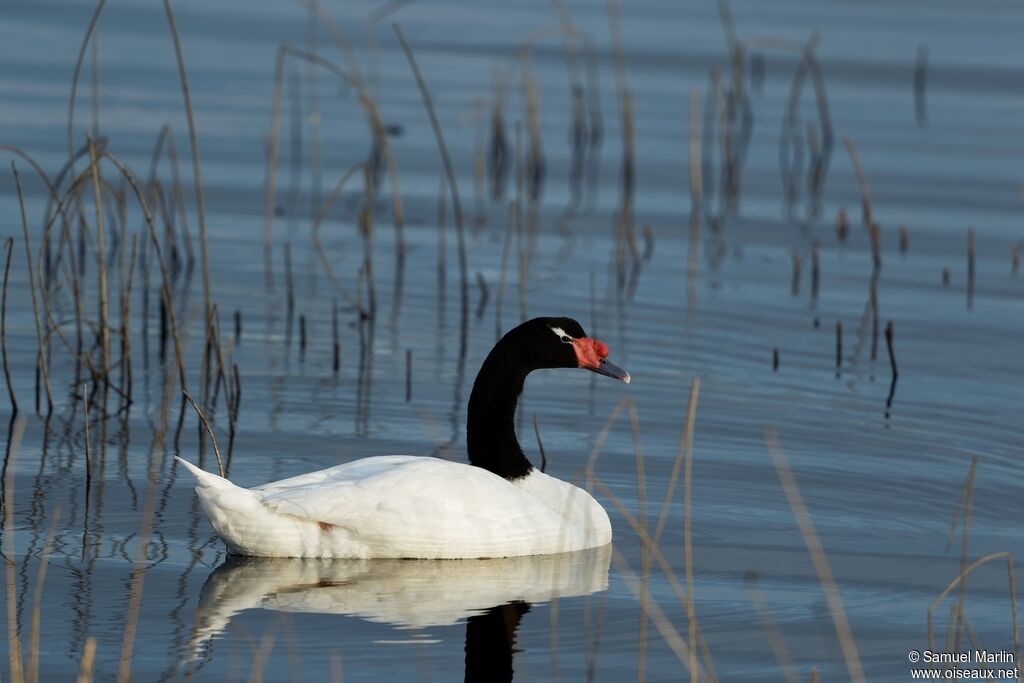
(490, 425)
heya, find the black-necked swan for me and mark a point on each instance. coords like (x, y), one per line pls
(403, 506)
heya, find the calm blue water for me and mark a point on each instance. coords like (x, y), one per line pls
(881, 483)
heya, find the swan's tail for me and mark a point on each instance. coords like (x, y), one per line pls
(206, 479)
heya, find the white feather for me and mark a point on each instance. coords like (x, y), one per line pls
(403, 506)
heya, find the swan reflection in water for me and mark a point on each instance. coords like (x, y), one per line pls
(491, 595)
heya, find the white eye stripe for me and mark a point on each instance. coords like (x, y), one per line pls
(562, 335)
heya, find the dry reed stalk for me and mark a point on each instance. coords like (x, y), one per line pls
(970, 268)
(771, 631)
(520, 181)
(41, 362)
(873, 302)
(289, 288)
(126, 344)
(500, 296)
(876, 245)
(1015, 258)
(101, 263)
(839, 348)
(9, 245)
(775, 360)
(818, 557)
(1012, 583)
(194, 147)
(85, 425)
(968, 509)
(904, 240)
(441, 220)
(335, 343)
(862, 181)
(535, 163)
(366, 228)
(377, 127)
(892, 364)
(691, 616)
(842, 226)
(654, 612)
(89, 33)
(794, 285)
(16, 674)
(168, 300)
(319, 247)
(684, 453)
(450, 172)
(497, 157)
(659, 557)
(85, 667)
(209, 430)
(484, 295)
(336, 668)
(302, 335)
(408, 375)
(815, 270)
(37, 600)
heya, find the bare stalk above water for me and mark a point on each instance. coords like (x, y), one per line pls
(865, 191)
(9, 244)
(194, 145)
(821, 564)
(40, 354)
(450, 172)
(209, 430)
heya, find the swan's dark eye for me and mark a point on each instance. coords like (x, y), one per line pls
(566, 339)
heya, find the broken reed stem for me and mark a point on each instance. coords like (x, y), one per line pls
(815, 270)
(862, 181)
(13, 641)
(408, 375)
(839, 348)
(874, 319)
(85, 423)
(335, 343)
(450, 172)
(484, 295)
(814, 548)
(9, 245)
(41, 361)
(794, 286)
(540, 446)
(209, 430)
(37, 599)
(101, 262)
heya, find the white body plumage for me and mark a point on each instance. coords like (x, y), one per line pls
(403, 506)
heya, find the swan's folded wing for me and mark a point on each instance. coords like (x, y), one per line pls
(397, 499)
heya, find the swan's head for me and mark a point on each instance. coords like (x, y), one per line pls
(562, 343)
